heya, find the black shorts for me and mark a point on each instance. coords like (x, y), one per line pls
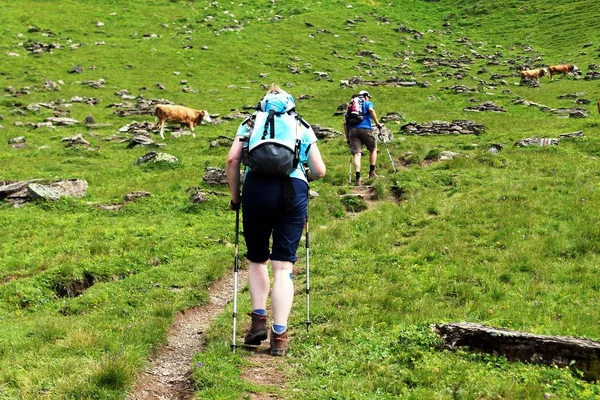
(265, 214)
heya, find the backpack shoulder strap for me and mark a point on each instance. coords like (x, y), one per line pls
(300, 119)
(249, 119)
(269, 121)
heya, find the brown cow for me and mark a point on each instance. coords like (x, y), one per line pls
(532, 74)
(184, 115)
(561, 69)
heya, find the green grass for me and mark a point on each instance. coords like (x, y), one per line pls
(508, 239)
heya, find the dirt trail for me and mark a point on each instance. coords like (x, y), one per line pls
(168, 376)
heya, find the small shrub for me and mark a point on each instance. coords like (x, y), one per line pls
(432, 155)
(354, 203)
(160, 166)
(412, 159)
(113, 372)
(492, 160)
(433, 210)
(380, 190)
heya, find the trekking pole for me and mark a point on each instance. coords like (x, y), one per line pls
(307, 268)
(350, 171)
(235, 276)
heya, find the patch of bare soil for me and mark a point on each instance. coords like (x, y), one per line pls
(367, 192)
(168, 376)
(265, 370)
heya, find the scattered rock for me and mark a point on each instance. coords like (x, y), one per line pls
(138, 128)
(392, 116)
(443, 128)
(39, 47)
(448, 155)
(215, 176)
(563, 351)
(133, 196)
(142, 107)
(572, 134)
(62, 121)
(51, 85)
(44, 125)
(571, 112)
(486, 106)
(197, 197)
(95, 84)
(459, 89)
(222, 141)
(140, 140)
(37, 191)
(155, 157)
(89, 100)
(75, 140)
(325, 133)
(18, 193)
(17, 142)
(572, 95)
(537, 142)
(530, 103)
(495, 147)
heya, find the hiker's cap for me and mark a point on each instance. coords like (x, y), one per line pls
(364, 93)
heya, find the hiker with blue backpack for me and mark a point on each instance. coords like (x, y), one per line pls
(359, 131)
(280, 153)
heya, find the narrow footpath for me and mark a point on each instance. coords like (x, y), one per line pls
(168, 376)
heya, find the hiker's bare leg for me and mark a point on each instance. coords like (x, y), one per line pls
(373, 157)
(282, 295)
(258, 284)
(356, 162)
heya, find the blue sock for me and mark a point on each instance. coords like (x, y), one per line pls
(260, 311)
(279, 329)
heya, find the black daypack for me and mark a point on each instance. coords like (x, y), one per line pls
(355, 112)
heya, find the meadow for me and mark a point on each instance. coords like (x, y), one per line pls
(508, 239)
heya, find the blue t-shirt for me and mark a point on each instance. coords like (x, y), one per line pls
(367, 120)
(307, 139)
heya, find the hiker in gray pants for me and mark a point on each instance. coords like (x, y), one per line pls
(362, 134)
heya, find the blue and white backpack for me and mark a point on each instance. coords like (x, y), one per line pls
(271, 145)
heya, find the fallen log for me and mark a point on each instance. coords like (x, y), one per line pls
(563, 351)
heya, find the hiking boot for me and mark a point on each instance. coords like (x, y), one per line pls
(373, 175)
(358, 182)
(258, 330)
(279, 343)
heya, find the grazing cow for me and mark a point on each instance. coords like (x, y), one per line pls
(184, 115)
(533, 74)
(561, 69)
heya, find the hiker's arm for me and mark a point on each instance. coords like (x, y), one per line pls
(374, 115)
(348, 138)
(232, 170)
(316, 165)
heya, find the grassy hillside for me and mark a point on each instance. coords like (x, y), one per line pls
(509, 239)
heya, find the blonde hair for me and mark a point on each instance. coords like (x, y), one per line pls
(274, 88)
